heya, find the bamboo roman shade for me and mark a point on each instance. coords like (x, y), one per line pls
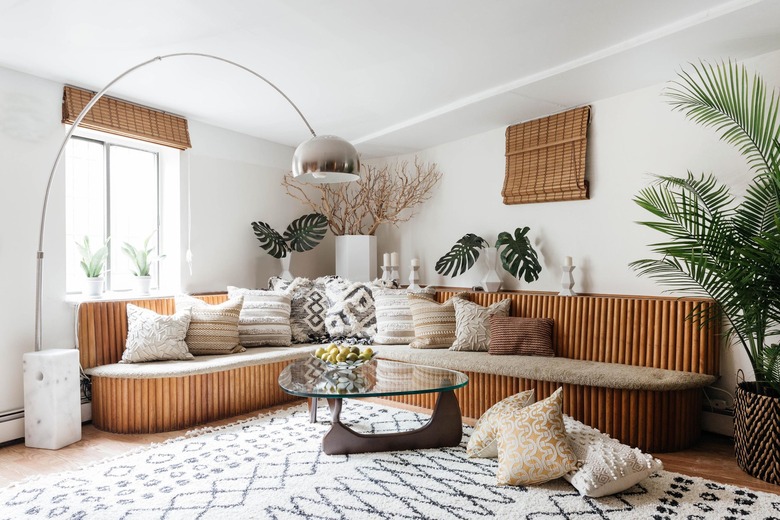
(545, 158)
(126, 119)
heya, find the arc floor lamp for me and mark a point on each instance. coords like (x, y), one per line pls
(319, 159)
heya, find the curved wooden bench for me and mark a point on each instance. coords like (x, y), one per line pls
(612, 333)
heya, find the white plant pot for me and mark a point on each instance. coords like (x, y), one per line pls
(143, 284)
(286, 274)
(492, 281)
(356, 257)
(93, 287)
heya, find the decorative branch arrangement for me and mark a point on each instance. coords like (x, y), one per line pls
(382, 195)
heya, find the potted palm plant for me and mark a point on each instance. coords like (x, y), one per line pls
(303, 234)
(518, 258)
(142, 259)
(728, 248)
(93, 264)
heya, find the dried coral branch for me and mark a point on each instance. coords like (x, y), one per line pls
(383, 195)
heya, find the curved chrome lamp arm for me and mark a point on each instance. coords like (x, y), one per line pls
(315, 160)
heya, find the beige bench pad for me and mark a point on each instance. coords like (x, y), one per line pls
(201, 364)
(561, 370)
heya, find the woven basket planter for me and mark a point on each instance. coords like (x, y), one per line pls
(757, 433)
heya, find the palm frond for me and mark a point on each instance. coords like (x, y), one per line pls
(462, 256)
(305, 232)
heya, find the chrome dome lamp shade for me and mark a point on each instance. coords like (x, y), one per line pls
(326, 159)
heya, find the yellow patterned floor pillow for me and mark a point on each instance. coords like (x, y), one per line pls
(482, 442)
(532, 443)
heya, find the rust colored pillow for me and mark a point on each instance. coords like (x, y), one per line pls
(521, 336)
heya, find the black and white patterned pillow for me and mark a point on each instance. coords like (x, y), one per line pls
(351, 315)
(309, 307)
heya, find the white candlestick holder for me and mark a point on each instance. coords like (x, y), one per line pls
(414, 277)
(567, 281)
(386, 273)
(394, 273)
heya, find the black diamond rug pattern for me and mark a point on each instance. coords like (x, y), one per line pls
(272, 467)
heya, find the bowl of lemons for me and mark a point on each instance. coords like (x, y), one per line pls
(344, 356)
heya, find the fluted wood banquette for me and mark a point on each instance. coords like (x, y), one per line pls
(619, 333)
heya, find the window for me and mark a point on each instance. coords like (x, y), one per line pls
(112, 190)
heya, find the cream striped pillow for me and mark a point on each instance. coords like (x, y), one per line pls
(434, 322)
(264, 318)
(532, 443)
(394, 324)
(213, 328)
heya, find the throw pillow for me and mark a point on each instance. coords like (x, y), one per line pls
(155, 337)
(482, 442)
(521, 336)
(394, 325)
(434, 322)
(213, 328)
(351, 315)
(309, 308)
(472, 324)
(264, 318)
(532, 443)
(607, 465)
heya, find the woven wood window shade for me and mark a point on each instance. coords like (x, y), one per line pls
(127, 119)
(545, 158)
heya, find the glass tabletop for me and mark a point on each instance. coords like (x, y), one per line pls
(311, 377)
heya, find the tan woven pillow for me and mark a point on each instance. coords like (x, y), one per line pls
(434, 322)
(521, 336)
(482, 442)
(213, 328)
(532, 443)
(472, 324)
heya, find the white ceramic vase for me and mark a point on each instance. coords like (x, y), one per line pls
(143, 284)
(491, 281)
(356, 257)
(286, 274)
(93, 287)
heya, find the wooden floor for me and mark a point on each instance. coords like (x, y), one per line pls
(712, 458)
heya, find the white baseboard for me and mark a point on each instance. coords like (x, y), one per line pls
(718, 423)
(13, 430)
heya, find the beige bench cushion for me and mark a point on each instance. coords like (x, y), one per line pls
(202, 364)
(561, 370)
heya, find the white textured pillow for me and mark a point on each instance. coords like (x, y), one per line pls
(394, 324)
(213, 328)
(351, 313)
(607, 465)
(482, 442)
(472, 324)
(309, 308)
(265, 317)
(155, 337)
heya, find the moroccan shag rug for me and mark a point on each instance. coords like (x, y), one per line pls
(272, 467)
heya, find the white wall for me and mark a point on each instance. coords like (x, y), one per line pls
(631, 137)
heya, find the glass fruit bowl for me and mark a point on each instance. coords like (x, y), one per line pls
(344, 356)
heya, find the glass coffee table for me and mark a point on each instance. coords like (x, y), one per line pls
(315, 379)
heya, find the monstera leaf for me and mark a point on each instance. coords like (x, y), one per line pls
(519, 256)
(306, 232)
(270, 240)
(462, 256)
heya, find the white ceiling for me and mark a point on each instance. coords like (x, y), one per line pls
(392, 76)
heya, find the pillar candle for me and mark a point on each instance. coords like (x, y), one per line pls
(567, 261)
(394, 258)
(415, 262)
(386, 259)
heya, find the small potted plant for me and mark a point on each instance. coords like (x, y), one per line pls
(93, 263)
(518, 258)
(303, 234)
(142, 259)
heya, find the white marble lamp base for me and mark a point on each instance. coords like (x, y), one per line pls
(52, 398)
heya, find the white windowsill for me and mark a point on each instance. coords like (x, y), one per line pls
(112, 296)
